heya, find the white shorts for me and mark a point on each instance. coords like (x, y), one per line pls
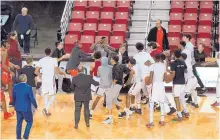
(177, 90)
(101, 91)
(146, 88)
(48, 85)
(94, 88)
(135, 89)
(191, 85)
(158, 92)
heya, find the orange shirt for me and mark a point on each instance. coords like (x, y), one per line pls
(160, 38)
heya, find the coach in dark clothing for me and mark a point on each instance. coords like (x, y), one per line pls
(23, 25)
(82, 95)
(158, 34)
(22, 100)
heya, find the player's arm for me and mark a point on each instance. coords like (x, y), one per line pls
(37, 71)
(58, 71)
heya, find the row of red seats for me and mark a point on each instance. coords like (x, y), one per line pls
(87, 41)
(190, 19)
(192, 6)
(105, 17)
(105, 5)
(102, 30)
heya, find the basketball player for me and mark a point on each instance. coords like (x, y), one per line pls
(141, 57)
(49, 67)
(118, 72)
(178, 68)
(6, 66)
(191, 81)
(158, 90)
(135, 90)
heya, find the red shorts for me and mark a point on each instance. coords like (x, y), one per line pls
(6, 78)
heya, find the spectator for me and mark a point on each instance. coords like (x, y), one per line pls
(14, 55)
(28, 70)
(122, 54)
(158, 34)
(22, 100)
(23, 25)
(154, 49)
(200, 54)
(103, 47)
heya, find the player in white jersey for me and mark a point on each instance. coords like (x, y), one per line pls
(141, 57)
(135, 90)
(217, 102)
(49, 67)
(191, 81)
(158, 90)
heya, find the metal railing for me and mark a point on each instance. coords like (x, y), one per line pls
(66, 18)
(148, 23)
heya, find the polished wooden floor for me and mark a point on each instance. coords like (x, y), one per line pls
(202, 124)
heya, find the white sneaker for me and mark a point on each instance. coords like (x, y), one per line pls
(108, 121)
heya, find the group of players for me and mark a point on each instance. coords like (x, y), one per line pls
(146, 75)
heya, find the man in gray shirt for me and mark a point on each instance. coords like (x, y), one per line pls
(23, 25)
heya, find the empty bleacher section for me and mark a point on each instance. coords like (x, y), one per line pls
(195, 17)
(91, 19)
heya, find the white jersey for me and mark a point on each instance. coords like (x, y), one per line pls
(190, 48)
(137, 75)
(48, 65)
(159, 69)
(189, 55)
(141, 58)
(189, 74)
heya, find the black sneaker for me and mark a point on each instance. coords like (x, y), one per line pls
(186, 115)
(158, 108)
(132, 109)
(138, 111)
(10, 104)
(120, 116)
(104, 104)
(187, 96)
(143, 97)
(172, 110)
(195, 105)
(90, 116)
(147, 101)
(189, 100)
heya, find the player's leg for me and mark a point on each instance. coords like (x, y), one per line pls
(162, 110)
(176, 94)
(217, 102)
(183, 101)
(172, 109)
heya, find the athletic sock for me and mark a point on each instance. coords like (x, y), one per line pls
(194, 95)
(179, 113)
(151, 112)
(162, 111)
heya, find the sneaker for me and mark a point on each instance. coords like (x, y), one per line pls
(185, 114)
(10, 104)
(215, 104)
(120, 116)
(143, 97)
(162, 123)
(44, 111)
(149, 125)
(108, 121)
(189, 100)
(178, 119)
(87, 125)
(8, 115)
(90, 116)
(76, 126)
(187, 96)
(104, 104)
(132, 109)
(147, 101)
(203, 90)
(195, 105)
(158, 108)
(138, 111)
(172, 110)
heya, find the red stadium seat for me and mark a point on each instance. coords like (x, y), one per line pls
(191, 29)
(205, 41)
(121, 18)
(80, 5)
(75, 28)
(98, 38)
(174, 30)
(109, 6)
(104, 29)
(95, 5)
(90, 29)
(206, 7)
(177, 6)
(107, 17)
(204, 31)
(119, 30)
(92, 17)
(190, 18)
(69, 42)
(116, 41)
(173, 43)
(78, 17)
(191, 7)
(176, 18)
(87, 41)
(205, 19)
(123, 5)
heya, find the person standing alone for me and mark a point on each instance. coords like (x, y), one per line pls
(23, 25)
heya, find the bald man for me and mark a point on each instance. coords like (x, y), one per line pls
(158, 34)
(22, 26)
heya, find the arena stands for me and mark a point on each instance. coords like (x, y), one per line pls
(94, 18)
(194, 17)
